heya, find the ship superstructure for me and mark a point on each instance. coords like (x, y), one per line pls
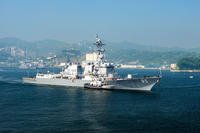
(105, 76)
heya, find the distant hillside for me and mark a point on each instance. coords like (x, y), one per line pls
(121, 52)
(149, 58)
(38, 48)
(128, 45)
(8, 42)
(189, 63)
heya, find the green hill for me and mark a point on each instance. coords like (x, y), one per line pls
(121, 52)
(189, 63)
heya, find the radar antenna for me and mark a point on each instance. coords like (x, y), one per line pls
(100, 50)
(98, 42)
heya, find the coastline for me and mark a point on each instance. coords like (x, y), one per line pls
(146, 68)
(171, 70)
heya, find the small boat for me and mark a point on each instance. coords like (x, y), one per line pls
(191, 77)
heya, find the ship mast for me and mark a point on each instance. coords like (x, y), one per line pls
(100, 50)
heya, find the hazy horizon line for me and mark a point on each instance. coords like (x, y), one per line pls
(76, 42)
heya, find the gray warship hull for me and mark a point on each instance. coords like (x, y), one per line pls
(139, 84)
(55, 82)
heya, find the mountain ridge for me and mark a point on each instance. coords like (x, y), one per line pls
(120, 52)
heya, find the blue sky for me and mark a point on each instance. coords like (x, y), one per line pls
(150, 22)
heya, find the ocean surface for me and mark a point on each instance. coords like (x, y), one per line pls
(172, 106)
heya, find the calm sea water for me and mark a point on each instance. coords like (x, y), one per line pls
(172, 106)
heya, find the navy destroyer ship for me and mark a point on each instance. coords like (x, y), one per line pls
(99, 74)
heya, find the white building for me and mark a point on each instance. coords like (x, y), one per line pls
(173, 66)
(91, 57)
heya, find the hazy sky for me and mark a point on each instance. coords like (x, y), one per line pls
(149, 22)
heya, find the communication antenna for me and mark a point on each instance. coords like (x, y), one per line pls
(98, 42)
